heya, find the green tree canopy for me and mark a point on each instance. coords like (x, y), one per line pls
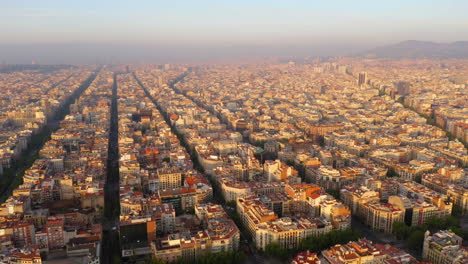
(415, 240)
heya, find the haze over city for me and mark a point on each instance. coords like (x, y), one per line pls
(55, 31)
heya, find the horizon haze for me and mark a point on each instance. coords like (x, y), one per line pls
(55, 31)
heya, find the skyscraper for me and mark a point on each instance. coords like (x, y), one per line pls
(362, 79)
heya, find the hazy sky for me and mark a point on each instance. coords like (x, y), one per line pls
(81, 30)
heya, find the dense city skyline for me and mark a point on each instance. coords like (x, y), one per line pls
(276, 162)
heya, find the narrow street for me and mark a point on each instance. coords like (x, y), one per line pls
(110, 238)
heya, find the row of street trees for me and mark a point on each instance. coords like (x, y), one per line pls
(313, 244)
(414, 235)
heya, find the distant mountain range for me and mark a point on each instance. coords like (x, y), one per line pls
(419, 49)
